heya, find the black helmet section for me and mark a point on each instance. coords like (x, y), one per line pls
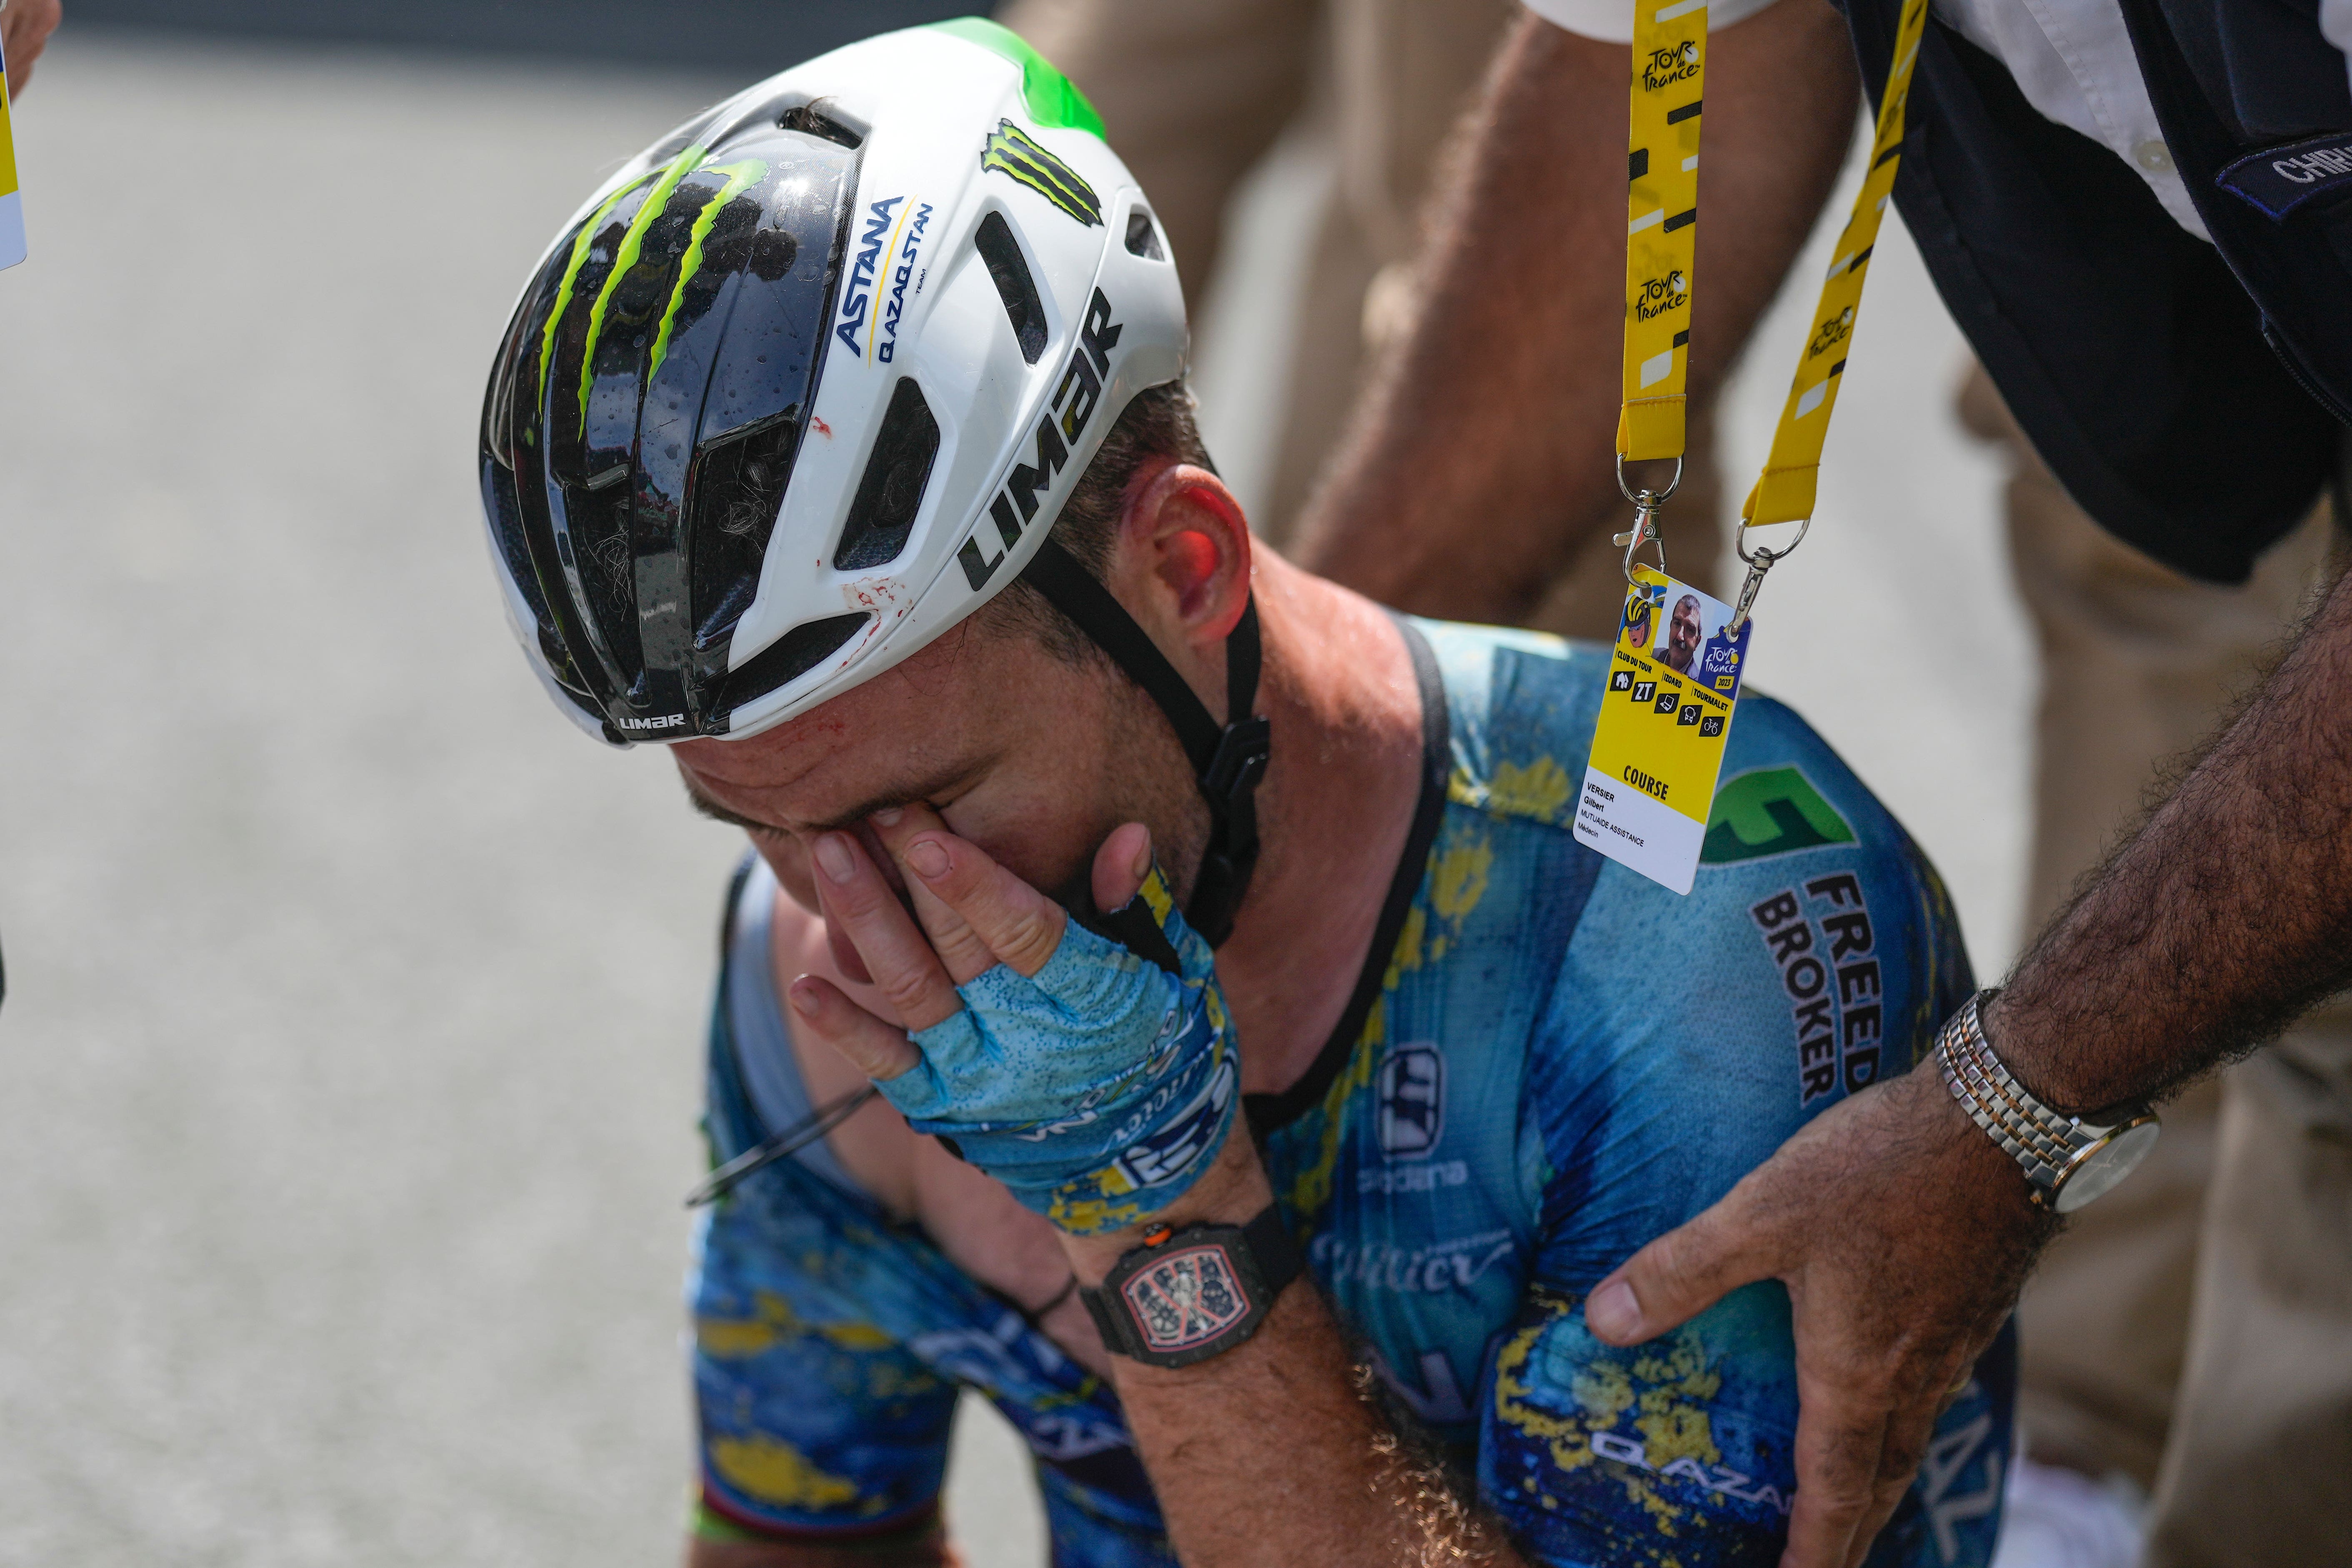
(644, 412)
(1228, 759)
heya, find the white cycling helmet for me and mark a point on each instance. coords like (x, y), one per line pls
(806, 384)
(803, 385)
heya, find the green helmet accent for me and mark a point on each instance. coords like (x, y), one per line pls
(579, 248)
(740, 177)
(632, 247)
(1053, 99)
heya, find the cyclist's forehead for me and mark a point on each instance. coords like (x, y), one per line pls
(827, 770)
(924, 731)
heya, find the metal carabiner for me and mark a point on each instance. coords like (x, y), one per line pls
(1643, 531)
(1759, 563)
(1645, 516)
(1636, 496)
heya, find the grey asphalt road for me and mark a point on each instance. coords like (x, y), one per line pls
(348, 1078)
(349, 1070)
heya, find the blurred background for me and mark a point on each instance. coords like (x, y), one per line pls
(351, 1062)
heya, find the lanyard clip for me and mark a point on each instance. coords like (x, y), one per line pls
(1758, 565)
(1644, 530)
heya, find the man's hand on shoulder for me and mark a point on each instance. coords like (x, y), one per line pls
(25, 29)
(1903, 1235)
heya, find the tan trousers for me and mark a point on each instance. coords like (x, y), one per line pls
(2194, 1329)
(2259, 1470)
(1194, 91)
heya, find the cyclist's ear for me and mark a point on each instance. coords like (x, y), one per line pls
(1183, 567)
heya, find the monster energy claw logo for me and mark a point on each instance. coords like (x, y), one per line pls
(1010, 150)
(629, 252)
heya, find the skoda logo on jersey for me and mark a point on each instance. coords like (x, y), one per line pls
(1411, 1096)
(857, 294)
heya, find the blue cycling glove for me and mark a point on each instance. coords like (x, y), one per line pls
(1097, 1090)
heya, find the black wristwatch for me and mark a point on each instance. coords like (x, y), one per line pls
(1187, 1295)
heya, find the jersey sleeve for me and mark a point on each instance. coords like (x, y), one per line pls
(808, 1421)
(1611, 21)
(1687, 1038)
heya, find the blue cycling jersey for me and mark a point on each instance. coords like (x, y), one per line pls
(1563, 1061)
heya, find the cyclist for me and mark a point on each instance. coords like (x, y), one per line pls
(841, 443)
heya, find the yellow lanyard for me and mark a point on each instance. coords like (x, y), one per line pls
(1661, 224)
(1661, 231)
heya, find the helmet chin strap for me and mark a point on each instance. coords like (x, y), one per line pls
(1228, 759)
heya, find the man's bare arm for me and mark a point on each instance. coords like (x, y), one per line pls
(1194, 93)
(1267, 1453)
(2224, 918)
(1483, 457)
(25, 29)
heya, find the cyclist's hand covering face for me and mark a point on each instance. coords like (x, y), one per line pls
(1096, 1084)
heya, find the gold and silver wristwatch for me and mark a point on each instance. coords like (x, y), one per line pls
(2068, 1160)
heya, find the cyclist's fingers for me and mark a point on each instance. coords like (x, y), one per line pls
(1019, 925)
(877, 1049)
(959, 947)
(859, 902)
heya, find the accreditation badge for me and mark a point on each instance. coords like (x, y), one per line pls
(12, 209)
(1666, 718)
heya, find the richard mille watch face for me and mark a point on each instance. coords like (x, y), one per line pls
(1185, 1298)
(2103, 1163)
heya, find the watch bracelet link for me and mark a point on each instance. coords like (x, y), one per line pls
(2043, 1142)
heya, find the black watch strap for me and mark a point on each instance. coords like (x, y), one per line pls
(1187, 1295)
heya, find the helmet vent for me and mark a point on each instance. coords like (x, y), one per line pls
(891, 492)
(793, 655)
(1009, 270)
(1143, 236)
(811, 120)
